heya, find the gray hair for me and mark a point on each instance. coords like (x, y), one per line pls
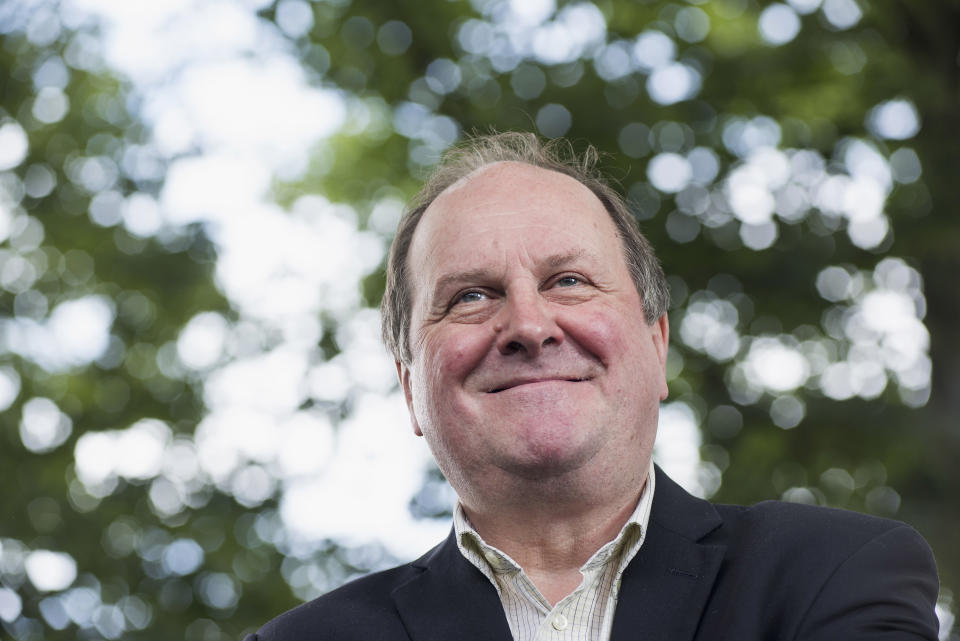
(554, 155)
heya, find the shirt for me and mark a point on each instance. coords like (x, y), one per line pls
(586, 614)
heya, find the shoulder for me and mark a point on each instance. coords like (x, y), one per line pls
(875, 571)
(795, 526)
(819, 539)
(362, 609)
(776, 526)
(819, 574)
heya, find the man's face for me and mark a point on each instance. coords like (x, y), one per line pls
(532, 358)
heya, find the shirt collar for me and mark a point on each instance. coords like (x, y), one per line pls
(625, 544)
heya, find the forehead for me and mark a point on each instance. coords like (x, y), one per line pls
(510, 205)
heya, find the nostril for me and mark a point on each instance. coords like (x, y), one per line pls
(514, 347)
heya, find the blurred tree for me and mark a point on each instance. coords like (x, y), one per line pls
(90, 308)
(792, 163)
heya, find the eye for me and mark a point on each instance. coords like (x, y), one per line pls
(567, 281)
(471, 296)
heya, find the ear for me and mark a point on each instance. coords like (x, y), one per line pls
(660, 334)
(403, 373)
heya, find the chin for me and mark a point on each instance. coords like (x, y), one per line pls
(542, 471)
(549, 458)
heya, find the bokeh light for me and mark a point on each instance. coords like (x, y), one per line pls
(43, 426)
(842, 14)
(13, 143)
(894, 119)
(669, 172)
(50, 571)
(779, 24)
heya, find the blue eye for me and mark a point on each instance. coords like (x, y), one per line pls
(568, 281)
(470, 297)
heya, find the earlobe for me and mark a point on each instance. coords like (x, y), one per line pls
(403, 373)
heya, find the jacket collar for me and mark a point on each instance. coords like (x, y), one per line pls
(450, 599)
(668, 583)
(662, 594)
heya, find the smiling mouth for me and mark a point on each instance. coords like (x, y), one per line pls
(536, 380)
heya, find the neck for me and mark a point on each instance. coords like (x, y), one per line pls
(552, 539)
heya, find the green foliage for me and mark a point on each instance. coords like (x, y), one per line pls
(891, 452)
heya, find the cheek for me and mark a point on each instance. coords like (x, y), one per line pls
(450, 355)
(604, 335)
(447, 359)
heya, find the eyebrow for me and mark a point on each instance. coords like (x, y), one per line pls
(448, 281)
(555, 261)
(551, 262)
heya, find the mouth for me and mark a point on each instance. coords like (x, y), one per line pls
(531, 381)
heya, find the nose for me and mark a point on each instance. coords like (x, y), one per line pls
(525, 325)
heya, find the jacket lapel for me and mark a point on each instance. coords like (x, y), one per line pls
(450, 599)
(668, 583)
(662, 594)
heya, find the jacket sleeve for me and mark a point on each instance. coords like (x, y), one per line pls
(885, 591)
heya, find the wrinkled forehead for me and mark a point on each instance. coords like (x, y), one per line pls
(509, 205)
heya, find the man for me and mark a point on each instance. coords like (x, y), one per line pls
(527, 316)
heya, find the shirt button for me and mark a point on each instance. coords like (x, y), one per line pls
(560, 622)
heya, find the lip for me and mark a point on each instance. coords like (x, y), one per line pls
(518, 382)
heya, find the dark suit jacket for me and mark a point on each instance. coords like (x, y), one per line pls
(706, 572)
